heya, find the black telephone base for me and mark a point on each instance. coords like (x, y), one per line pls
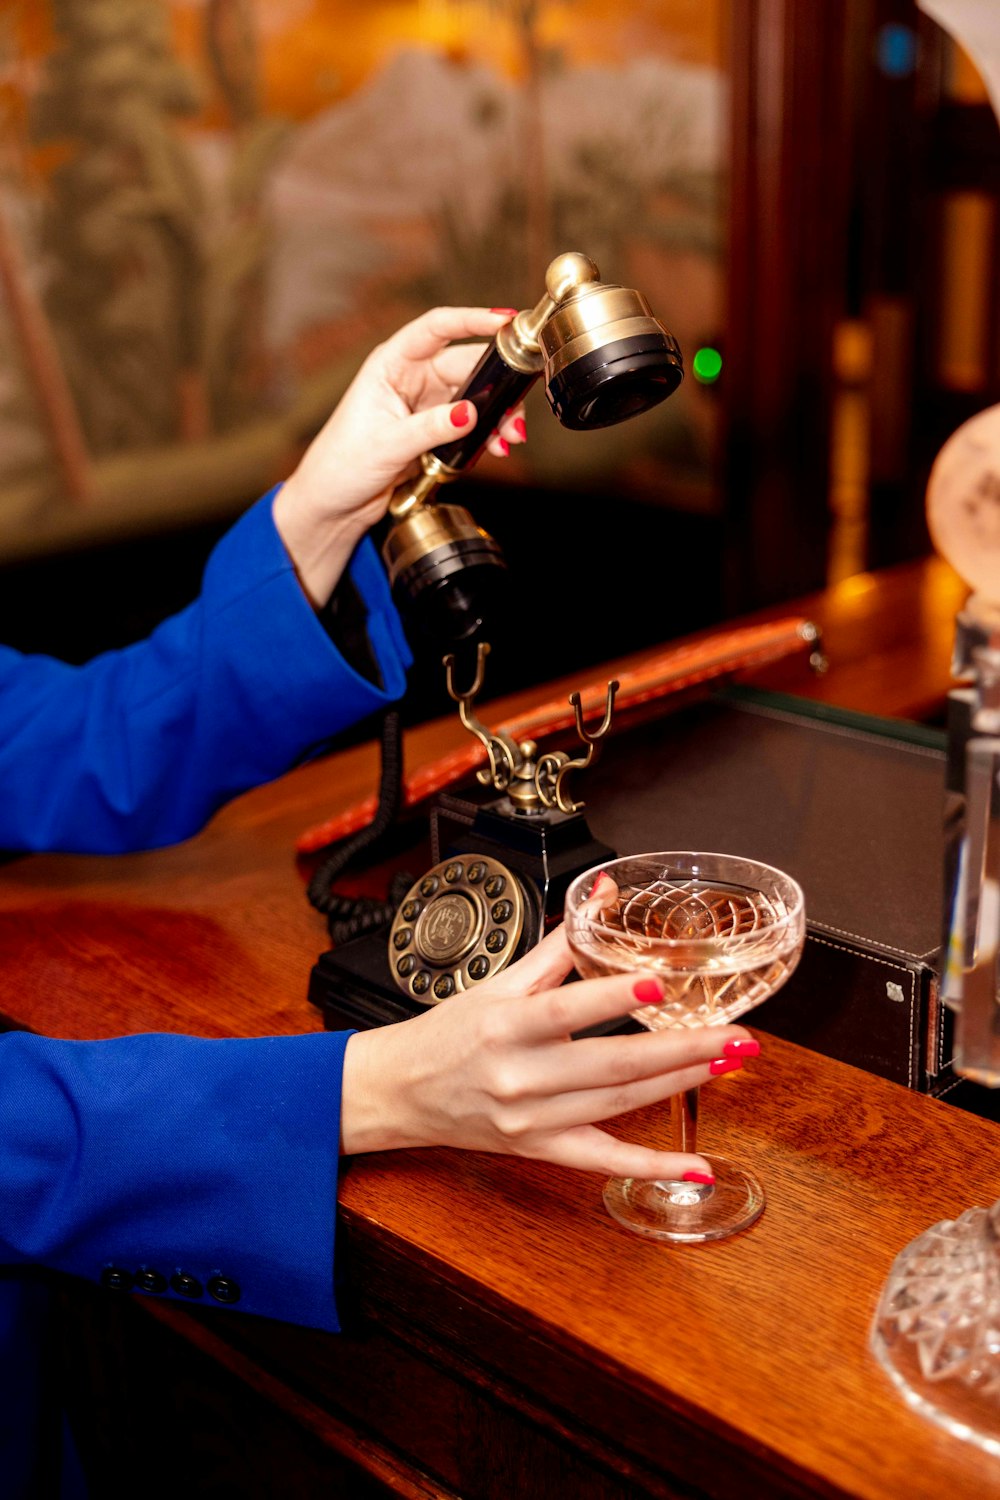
(546, 852)
(352, 985)
(348, 985)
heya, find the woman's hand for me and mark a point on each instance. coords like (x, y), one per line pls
(495, 1069)
(400, 404)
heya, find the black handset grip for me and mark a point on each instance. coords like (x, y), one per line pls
(494, 387)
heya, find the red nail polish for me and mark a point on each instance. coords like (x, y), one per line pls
(750, 1048)
(648, 991)
(724, 1065)
(705, 1177)
(504, 312)
(521, 428)
(599, 878)
(460, 414)
(504, 446)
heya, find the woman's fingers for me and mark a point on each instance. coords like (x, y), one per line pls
(448, 371)
(427, 335)
(602, 893)
(410, 436)
(432, 427)
(568, 1109)
(442, 367)
(442, 380)
(589, 1149)
(618, 1061)
(512, 430)
(543, 967)
(575, 1007)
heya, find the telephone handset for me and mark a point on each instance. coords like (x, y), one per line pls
(503, 857)
(504, 854)
(603, 357)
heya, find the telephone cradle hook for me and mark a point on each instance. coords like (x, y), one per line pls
(532, 783)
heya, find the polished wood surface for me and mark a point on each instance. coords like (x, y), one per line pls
(888, 637)
(503, 1335)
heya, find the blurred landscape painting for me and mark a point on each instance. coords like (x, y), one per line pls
(211, 209)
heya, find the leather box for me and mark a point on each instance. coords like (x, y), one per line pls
(850, 806)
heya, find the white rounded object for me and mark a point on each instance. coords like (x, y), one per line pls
(963, 502)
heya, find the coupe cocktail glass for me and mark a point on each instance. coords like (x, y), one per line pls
(721, 934)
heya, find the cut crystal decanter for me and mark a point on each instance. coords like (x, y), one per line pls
(937, 1329)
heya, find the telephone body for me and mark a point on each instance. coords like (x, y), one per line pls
(504, 854)
(497, 881)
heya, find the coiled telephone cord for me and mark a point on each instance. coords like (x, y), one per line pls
(353, 916)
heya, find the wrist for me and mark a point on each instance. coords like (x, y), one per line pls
(373, 1093)
(319, 545)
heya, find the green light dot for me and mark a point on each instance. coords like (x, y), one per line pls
(707, 365)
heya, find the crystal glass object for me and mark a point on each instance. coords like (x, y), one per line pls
(936, 1332)
(721, 933)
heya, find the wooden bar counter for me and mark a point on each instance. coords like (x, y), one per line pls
(505, 1338)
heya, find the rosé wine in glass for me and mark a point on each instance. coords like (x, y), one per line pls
(721, 933)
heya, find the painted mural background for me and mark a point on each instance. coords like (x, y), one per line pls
(211, 209)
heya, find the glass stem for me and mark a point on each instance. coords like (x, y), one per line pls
(684, 1121)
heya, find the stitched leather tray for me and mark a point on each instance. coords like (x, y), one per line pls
(854, 813)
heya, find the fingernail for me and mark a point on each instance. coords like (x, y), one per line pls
(705, 1177)
(461, 414)
(600, 877)
(749, 1048)
(504, 446)
(648, 992)
(504, 312)
(521, 428)
(724, 1065)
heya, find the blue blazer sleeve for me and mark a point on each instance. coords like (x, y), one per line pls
(139, 747)
(175, 1166)
(202, 1171)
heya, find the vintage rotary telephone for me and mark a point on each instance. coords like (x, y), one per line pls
(505, 853)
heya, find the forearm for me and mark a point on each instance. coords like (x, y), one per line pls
(175, 1156)
(139, 747)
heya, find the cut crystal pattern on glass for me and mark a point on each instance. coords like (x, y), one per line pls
(741, 949)
(937, 1327)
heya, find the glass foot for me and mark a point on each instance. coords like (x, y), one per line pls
(687, 1213)
(936, 1332)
